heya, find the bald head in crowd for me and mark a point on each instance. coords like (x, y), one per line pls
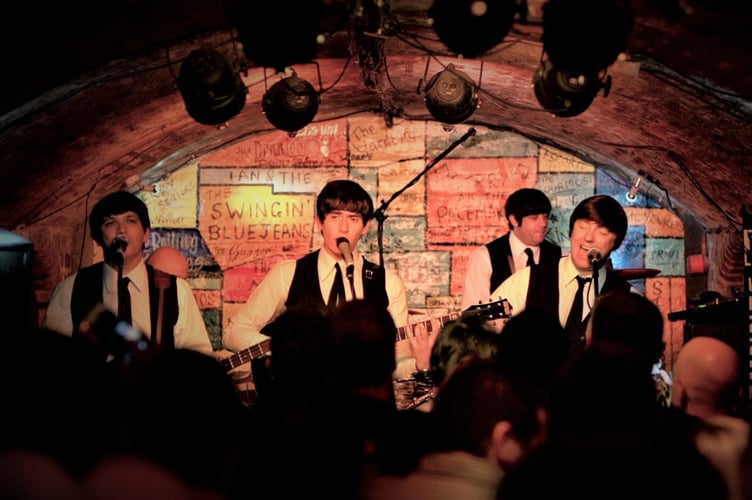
(706, 375)
(169, 260)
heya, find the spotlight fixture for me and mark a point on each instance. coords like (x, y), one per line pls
(451, 96)
(291, 104)
(211, 87)
(585, 36)
(565, 93)
(631, 195)
(277, 34)
(472, 27)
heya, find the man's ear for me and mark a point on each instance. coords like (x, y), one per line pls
(504, 448)
(365, 227)
(513, 222)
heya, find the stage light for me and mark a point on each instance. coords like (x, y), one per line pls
(563, 93)
(471, 27)
(585, 36)
(211, 87)
(277, 34)
(451, 96)
(290, 104)
(631, 195)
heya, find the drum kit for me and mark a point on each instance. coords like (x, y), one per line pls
(415, 392)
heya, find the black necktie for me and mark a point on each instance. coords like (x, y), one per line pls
(575, 327)
(337, 295)
(530, 258)
(124, 301)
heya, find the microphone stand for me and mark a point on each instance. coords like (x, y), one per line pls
(350, 278)
(379, 214)
(595, 278)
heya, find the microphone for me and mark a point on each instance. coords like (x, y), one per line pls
(344, 247)
(116, 252)
(119, 244)
(595, 258)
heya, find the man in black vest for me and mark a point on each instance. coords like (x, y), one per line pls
(526, 211)
(334, 273)
(597, 227)
(162, 307)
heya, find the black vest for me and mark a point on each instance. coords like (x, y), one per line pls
(305, 290)
(500, 252)
(543, 289)
(87, 293)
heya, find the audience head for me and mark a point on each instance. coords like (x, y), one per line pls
(174, 396)
(466, 337)
(362, 345)
(300, 344)
(169, 260)
(116, 203)
(706, 377)
(600, 389)
(532, 347)
(630, 318)
(480, 411)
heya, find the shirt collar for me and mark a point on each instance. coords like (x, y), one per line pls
(139, 277)
(326, 264)
(517, 247)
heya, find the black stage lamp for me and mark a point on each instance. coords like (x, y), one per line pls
(291, 104)
(451, 96)
(472, 27)
(211, 87)
(564, 93)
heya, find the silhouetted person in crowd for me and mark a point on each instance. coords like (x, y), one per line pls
(607, 438)
(633, 319)
(532, 348)
(482, 424)
(176, 404)
(706, 377)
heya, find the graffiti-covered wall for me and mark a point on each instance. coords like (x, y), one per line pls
(234, 213)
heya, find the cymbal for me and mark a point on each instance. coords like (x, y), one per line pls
(636, 273)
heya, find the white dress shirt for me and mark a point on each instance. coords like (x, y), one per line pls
(267, 301)
(515, 288)
(190, 330)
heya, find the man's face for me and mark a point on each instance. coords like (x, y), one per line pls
(587, 234)
(341, 224)
(531, 230)
(126, 225)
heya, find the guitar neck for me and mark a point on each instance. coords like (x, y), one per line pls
(404, 331)
(493, 310)
(256, 351)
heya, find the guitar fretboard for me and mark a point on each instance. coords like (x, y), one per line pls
(404, 331)
(492, 310)
(256, 351)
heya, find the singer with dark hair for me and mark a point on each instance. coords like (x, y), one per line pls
(597, 227)
(161, 306)
(526, 211)
(324, 278)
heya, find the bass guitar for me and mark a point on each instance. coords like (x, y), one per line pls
(499, 309)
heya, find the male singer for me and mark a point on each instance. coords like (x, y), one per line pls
(119, 223)
(343, 214)
(597, 227)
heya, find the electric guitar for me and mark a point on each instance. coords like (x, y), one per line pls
(490, 311)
